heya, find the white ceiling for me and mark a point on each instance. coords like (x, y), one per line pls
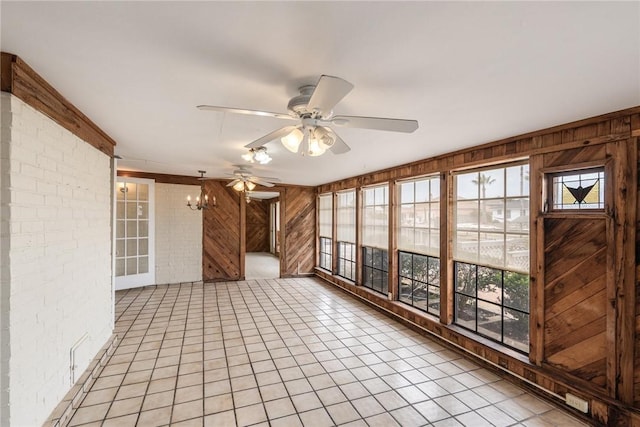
(470, 73)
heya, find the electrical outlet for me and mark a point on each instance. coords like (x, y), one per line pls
(577, 403)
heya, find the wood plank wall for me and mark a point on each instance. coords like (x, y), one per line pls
(257, 216)
(298, 249)
(221, 234)
(226, 234)
(635, 132)
(575, 332)
(585, 293)
(575, 280)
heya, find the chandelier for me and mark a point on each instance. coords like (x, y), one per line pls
(202, 201)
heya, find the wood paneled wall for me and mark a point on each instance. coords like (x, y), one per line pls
(298, 249)
(257, 216)
(575, 329)
(585, 292)
(228, 235)
(222, 234)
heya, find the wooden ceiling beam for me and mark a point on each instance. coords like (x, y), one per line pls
(17, 78)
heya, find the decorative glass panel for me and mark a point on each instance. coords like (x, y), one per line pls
(578, 190)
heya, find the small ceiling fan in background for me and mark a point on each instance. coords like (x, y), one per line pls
(313, 109)
(242, 179)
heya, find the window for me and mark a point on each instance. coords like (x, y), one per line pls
(375, 238)
(419, 281)
(484, 234)
(494, 303)
(325, 220)
(419, 216)
(347, 260)
(375, 269)
(346, 233)
(491, 252)
(375, 217)
(578, 189)
(419, 243)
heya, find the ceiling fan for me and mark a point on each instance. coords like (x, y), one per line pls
(243, 180)
(313, 110)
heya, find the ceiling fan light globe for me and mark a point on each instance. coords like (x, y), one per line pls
(248, 157)
(239, 186)
(315, 148)
(325, 137)
(292, 141)
(262, 157)
(250, 185)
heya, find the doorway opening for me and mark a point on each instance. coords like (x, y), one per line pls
(262, 237)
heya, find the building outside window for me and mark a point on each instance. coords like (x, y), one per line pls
(325, 220)
(419, 243)
(491, 253)
(346, 233)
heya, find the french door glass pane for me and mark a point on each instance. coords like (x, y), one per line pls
(132, 229)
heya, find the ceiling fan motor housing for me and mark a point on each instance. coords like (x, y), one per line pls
(298, 105)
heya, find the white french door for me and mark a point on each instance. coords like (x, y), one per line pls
(134, 241)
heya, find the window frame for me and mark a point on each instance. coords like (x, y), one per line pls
(433, 206)
(325, 252)
(365, 239)
(412, 277)
(481, 231)
(477, 300)
(343, 261)
(382, 270)
(549, 175)
(325, 239)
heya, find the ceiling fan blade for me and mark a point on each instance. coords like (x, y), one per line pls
(234, 182)
(265, 178)
(339, 146)
(245, 111)
(261, 182)
(271, 136)
(379, 123)
(328, 92)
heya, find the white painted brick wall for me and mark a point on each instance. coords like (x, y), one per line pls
(58, 191)
(178, 235)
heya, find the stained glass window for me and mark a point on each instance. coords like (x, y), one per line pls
(578, 190)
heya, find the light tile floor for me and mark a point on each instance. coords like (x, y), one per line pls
(261, 265)
(289, 352)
